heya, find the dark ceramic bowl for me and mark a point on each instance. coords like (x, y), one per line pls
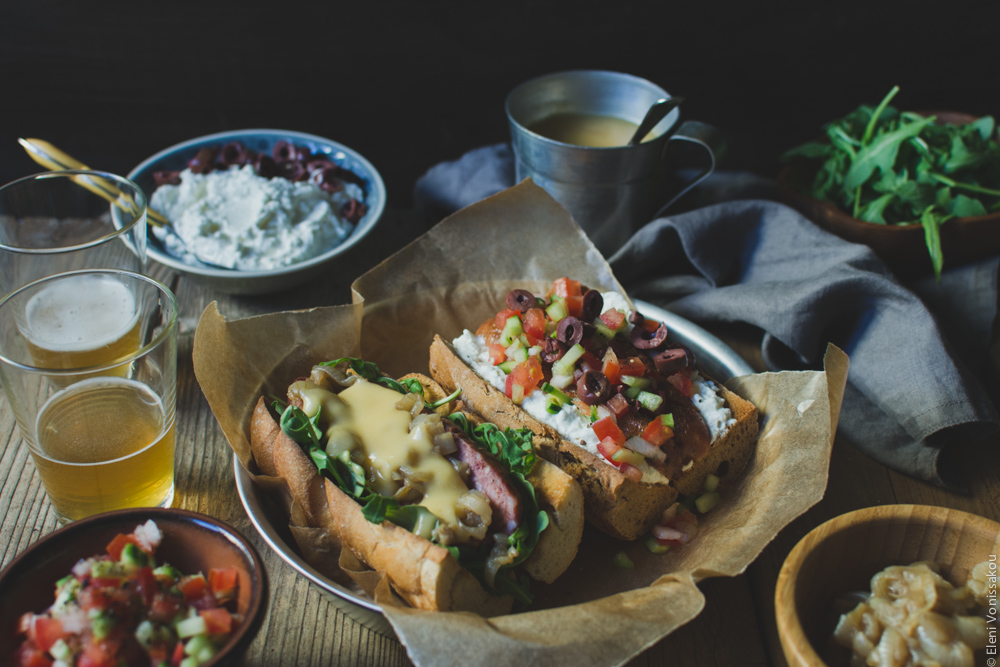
(191, 542)
(902, 248)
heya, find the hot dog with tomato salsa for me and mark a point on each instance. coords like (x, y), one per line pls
(610, 400)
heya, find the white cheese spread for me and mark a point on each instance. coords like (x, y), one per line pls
(237, 219)
(574, 426)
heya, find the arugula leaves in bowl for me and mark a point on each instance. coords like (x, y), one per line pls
(903, 168)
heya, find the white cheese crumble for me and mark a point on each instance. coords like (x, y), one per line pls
(574, 426)
(237, 219)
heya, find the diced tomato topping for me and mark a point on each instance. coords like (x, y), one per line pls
(46, 631)
(533, 323)
(222, 580)
(504, 315)
(681, 380)
(116, 545)
(588, 362)
(204, 601)
(656, 433)
(607, 428)
(164, 608)
(618, 405)
(99, 654)
(607, 448)
(218, 620)
(147, 584)
(28, 655)
(631, 472)
(574, 305)
(633, 366)
(613, 318)
(527, 375)
(565, 287)
(193, 586)
(498, 353)
(178, 656)
(610, 366)
(107, 582)
(93, 598)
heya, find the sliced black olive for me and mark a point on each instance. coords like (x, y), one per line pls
(233, 153)
(593, 305)
(293, 170)
(593, 388)
(670, 361)
(265, 166)
(204, 161)
(325, 177)
(643, 340)
(570, 331)
(635, 317)
(283, 151)
(552, 350)
(520, 299)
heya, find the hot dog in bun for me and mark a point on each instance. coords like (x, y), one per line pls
(453, 510)
(608, 398)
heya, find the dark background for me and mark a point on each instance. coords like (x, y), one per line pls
(409, 84)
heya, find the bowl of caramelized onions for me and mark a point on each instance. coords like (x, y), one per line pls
(889, 586)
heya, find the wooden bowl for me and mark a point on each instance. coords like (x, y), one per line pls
(192, 543)
(902, 248)
(841, 555)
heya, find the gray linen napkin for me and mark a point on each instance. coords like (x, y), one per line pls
(910, 392)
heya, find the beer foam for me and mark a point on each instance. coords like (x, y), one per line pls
(80, 313)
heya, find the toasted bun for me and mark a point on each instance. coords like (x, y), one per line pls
(617, 505)
(425, 575)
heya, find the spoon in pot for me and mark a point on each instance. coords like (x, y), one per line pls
(657, 111)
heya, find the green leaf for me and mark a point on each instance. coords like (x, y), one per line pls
(932, 235)
(876, 114)
(966, 207)
(301, 428)
(881, 153)
(874, 210)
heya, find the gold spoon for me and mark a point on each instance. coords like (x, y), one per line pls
(54, 159)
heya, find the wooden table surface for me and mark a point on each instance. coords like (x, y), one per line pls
(305, 626)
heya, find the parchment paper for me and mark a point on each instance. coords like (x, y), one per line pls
(454, 277)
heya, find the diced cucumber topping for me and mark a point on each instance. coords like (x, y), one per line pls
(564, 365)
(517, 351)
(711, 483)
(102, 625)
(556, 394)
(105, 568)
(134, 556)
(534, 350)
(61, 651)
(190, 661)
(605, 332)
(507, 366)
(167, 571)
(201, 647)
(632, 392)
(655, 547)
(557, 310)
(552, 405)
(625, 455)
(145, 633)
(668, 419)
(189, 627)
(511, 330)
(622, 560)
(636, 381)
(707, 501)
(649, 400)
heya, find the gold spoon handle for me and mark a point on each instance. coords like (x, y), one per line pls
(54, 159)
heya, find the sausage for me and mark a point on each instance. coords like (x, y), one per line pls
(488, 476)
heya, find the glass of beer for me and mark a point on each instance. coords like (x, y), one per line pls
(88, 361)
(70, 220)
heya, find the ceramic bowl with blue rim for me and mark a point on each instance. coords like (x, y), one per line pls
(169, 249)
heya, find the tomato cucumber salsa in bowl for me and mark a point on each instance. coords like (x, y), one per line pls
(152, 588)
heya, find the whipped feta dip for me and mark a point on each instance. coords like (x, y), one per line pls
(574, 426)
(239, 220)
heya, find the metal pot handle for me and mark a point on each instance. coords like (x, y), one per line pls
(708, 138)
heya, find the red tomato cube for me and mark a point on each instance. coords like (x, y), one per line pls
(565, 287)
(607, 428)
